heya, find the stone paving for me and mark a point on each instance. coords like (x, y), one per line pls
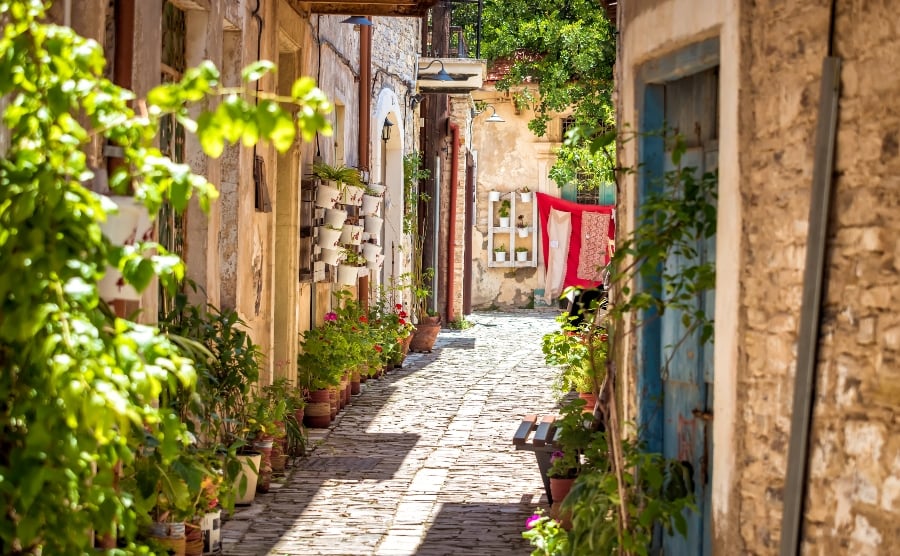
(421, 462)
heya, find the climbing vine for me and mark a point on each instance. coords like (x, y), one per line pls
(79, 386)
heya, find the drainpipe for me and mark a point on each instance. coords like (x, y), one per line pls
(67, 13)
(451, 227)
(365, 106)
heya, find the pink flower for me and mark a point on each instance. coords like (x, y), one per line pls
(556, 455)
(330, 317)
(531, 521)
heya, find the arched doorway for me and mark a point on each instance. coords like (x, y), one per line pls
(387, 168)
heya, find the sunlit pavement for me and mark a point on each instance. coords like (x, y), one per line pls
(421, 462)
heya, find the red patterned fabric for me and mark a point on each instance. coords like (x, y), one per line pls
(545, 203)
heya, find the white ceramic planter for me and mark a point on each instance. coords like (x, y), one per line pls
(376, 263)
(376, 189)
(130, 225)
(525, 197)
(374, 224)
(370, 205)
(335, 217)
(331, 256)
(500, 256)
(504, 221)
(328, 237)
(351, 235)
(371, 250)
(347, 275)
(521, 256)
(353, 195)
(523, 232)
(494, 196)
(327, 196)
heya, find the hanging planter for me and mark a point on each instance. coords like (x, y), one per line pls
(374, 224)
(525, 196)
(335, 217)
(327, 195)
(351, 235)
(370, 251)
(352, 195)
(370, 205)
(494, 196)
(347, 275)
(523, 232)
(328, 237)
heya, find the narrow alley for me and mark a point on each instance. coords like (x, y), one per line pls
(421, 462)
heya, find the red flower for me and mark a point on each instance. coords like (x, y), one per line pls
(403, 314)
(378, 348)
(398, 306)
(402, 321)
(364, 319)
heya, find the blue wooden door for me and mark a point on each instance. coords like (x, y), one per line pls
(687, 388)
(677, 376)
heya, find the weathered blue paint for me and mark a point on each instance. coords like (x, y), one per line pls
(669, 393)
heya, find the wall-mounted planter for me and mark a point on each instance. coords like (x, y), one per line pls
(523, 232)
(129, 226)
(327, 196)
(328, 237)
(347, 275)
(371, 250)
(376, 189)
(351, 235)
(370, 205)
(521, 256)
(331, 256)
(374, 224)
(375, 263)
(504, 221)
(500, 256)
(335, 217)
(494, 196)
(353, 195)
(525, 196)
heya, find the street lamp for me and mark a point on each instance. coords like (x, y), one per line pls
(358, 20)
(386, 130)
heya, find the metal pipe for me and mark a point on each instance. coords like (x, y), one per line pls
(365, 106)
(451, 226)
(808, 339)
(67, 13)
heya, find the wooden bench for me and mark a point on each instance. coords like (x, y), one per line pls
(542, 443)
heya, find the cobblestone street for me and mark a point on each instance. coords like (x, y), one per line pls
(421, 462)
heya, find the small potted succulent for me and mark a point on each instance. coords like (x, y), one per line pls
(525, 194)
(503, 213)
(500, 253)
(521, 254)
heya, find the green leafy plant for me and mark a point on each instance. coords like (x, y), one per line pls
(521, 249)
(353, 258)
(503, 211)
(81, 386)
(580, 351)
(546, 535)
(343, 175)
(500, 248)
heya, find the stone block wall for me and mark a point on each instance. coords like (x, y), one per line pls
(853, 505)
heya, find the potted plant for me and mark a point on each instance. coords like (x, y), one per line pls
(503, 213)
(580, 351)
(320, 366)
(348, 270)
(500, 253)
(521, 226)
(336, 182)
(521, 253)
(494, 196)
(329, 236)
(525, 194)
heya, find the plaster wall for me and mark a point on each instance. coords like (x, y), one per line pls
(509, 157)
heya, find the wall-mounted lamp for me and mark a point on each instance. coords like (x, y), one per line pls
(386, 130)
(494, 118)
(441, 75)
(415, 100)
(358, 20)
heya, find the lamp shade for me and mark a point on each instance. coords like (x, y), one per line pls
(358, 20)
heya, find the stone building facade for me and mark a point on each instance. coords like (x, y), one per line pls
(767, 59)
